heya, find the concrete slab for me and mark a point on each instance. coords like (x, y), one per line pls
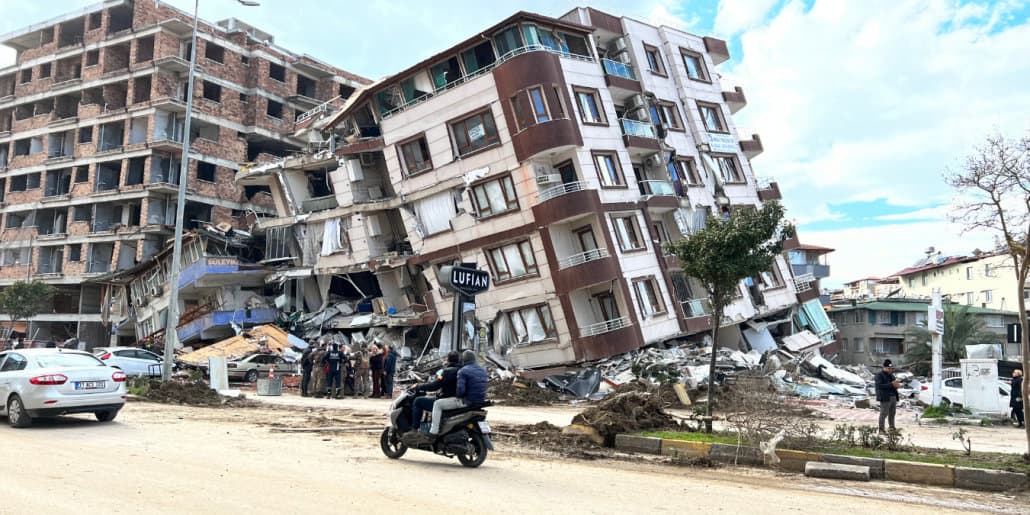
(875, 464)
(989, 480)
(795, 461)
(644, 444)
(682, 449)
(739, 455)
(921, 473)
(836, 471)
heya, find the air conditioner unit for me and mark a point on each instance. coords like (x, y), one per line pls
(640, 114)
(635, 101)
(550, 178)
(368, 159)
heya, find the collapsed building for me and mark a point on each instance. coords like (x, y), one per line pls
(559, 154)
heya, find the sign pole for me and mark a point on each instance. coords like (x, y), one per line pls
(465, 281)
(935, 322)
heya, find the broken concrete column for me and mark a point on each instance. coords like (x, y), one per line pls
(836, 471)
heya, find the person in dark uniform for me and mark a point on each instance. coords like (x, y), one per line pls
(887, 394)
(1016, 396)
(305, 371)
(375, 364)
(389, 369)
(334, 360)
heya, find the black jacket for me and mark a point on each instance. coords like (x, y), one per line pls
(448, 384)
(376, 362)
(884, 389)
(1016, 392)
(305, 362)
(335, 359)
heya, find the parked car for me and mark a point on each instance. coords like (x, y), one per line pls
(38, 383)
(252, 367)
(952, 393)
(131, 360)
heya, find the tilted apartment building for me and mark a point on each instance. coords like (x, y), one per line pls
(91, 122)
(557, 153)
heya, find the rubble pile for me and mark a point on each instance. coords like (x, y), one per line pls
(519, 393)
(626, 412)
(548, 437)
(191, 393)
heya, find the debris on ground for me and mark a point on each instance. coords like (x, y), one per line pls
(629, 411)
(550, 438)
(191, 393)
(519, 393)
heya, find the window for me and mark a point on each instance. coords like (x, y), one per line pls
(684, 170)
(969, 272)
(532, 324)
(212, 91)
(44, 70)
(884, 346)
(540, 112)
(85, 134)
(859, 344)
(95, 19)
(970, 298)
(988, 296)
(244, 98)
(495, 197)
(988, 271)
(81, 174)
(883, 317)
(14, 363)
(92, 57)
(474, 132)
(507, 40)
(75, 253)
(711, 115)
(414, 155)
(244, 60)
(26, 75)
(654, 60)
(729, 170)
(661, 234)
(274, 109)
(608, 170)
(666, 113)
(590, 108)
(649, 296)
(924, 278)
(214, 52)
(628, 233)
(479, 57)
(771, 278)
(205, 171)
(32, 181)
(512, 261)
(695, 66)
(993, 321)
(919, 318)
(277, 72)
(844, 344)
(82, 213)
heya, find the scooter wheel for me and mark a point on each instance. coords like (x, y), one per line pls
(391, 444)
(477, 454)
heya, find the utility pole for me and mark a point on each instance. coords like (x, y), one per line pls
(935, 324)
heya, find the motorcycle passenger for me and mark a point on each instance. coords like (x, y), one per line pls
(471, 390)
(446, 383)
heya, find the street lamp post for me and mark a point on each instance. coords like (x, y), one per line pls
(172, 323)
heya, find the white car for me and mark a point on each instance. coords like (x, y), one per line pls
(39, 383)
(952, 393)
(131, 360)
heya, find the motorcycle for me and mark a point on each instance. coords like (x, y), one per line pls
(464, 433)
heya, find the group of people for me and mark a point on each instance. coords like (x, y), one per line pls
(332, 370)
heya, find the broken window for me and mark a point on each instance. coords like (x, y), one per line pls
(71, 32)
(134, 175)
(508, 40)
(205, 171)
(532, 324)
(138, 128)
(141, 89)
(58, 182)
(274, 109)
(345, 91)
(18, 183)
(243, 98)
(306, 86)
(214, 52)
(14, 220)
(109, 176)
(277, 72)
(81, 174)
(111, 136)
(75, 253)
(92, 57)
(435, 213)
(729, 169)
(512, 261)
(628, 233)
(609, 170)
(44, 70)
(212, 91)
(32, 181)
(414, 155)
(494, 197)
(478, 57)
(95, 19)
(684, 169)
(26, 75)
(444, 73)
(474, 132)
(82, 213)
(119, 18)
(244, 60)
(649, 296)
(59, 144)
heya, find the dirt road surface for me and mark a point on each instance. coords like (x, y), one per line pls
(172, 459)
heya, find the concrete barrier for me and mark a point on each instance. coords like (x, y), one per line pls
(643, 444)
(684, 449)
(795, 461)
(875, 464)
(836, 471)
(921, 473)
(990, 480)
(739, 455)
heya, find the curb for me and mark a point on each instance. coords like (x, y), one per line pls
(795, 461)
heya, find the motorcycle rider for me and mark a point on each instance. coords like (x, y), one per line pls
(471, 390)
(446, 383)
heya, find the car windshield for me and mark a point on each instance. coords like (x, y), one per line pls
(67, 360)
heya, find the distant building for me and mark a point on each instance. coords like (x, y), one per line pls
(982, 280)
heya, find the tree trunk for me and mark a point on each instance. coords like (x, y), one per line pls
(1024, 348)
(717, 316)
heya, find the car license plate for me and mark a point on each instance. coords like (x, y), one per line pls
(89, 385)
(484, 426)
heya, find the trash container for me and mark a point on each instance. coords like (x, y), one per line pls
(270, 386)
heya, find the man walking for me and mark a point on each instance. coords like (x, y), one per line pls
(1016, 396)
(471, 390)
(389, 368)
(887, 394)
(305, 371)
(375, 365)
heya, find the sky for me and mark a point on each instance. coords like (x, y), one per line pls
(862, 106)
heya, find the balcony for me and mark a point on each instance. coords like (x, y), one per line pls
(698, 314)
(562, 189)
(653, 187)
(751, 147)
(219, 271)
(173, 64)
(582, 258)
(806, 287)
(768, 190)
(218, 324)
(735, 99)
(816, 270)
(639, 136)
(621, 78)
(604, 327)
(618, 69)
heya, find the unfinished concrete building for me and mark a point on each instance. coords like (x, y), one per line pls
(91, 128)
(559, 154)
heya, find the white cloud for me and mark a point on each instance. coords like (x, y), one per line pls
(736, 16)
(668, 14)
(939, 213)
(864, 100)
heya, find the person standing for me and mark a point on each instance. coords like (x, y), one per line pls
(375, 364)
(334, 362)
(305, 372)
(389, 368)
(1016, 396)
(362, 381)
(887, 394)
(318, 372)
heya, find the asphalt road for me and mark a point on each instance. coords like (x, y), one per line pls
(172, 459)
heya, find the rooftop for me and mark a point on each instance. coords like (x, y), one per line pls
(910, 306)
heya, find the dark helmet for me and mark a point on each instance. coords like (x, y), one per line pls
(453, 357)
(468, 357)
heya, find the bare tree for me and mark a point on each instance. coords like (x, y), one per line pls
(993, 189)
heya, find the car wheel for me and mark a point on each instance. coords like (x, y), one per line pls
(252, 375)
(106, 416)
(16, 414)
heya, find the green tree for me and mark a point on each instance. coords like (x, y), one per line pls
(725, 253)
(993, 195)
(961, 328)
(23, 300)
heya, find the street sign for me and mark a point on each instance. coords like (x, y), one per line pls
(935, 320)
(464, 280)
(1014, 333)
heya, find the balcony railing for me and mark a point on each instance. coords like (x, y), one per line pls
(618, 69)
(695, 308)
(582, 257)
(561, 189)
(638, 129)
(604, 327)
(803, 283)
(816, 269)
(657, 188)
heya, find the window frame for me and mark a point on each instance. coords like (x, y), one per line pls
(403, 159)
(551, 329)
(463, 121)
(702, 68)
(723, 127)
(535, 109)
(615, 218)
(655, 291)
(732, 158)
(512, 199)
(598, 103)
(687, 168)
(532, 270)
(668, 109)
(614, 155)
(657, 62)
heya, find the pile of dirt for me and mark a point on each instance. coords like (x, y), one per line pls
(191, 393)
(516, 393)
(550, 438)
(627, 410)
(666, 394)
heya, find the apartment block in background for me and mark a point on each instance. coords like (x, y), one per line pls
(559, 154)
(91, 127)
